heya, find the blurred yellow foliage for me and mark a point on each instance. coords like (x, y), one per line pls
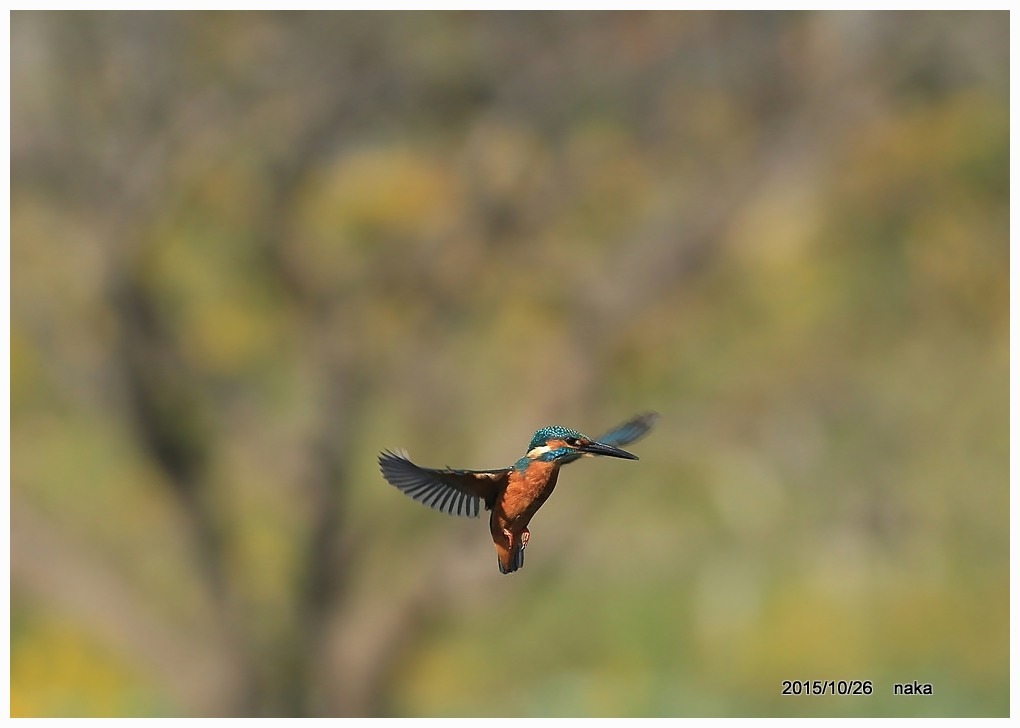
(57, 671)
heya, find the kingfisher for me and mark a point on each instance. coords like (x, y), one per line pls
(513, 495)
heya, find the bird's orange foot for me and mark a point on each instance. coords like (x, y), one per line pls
(524, 538)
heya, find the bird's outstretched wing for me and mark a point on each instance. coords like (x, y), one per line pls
(630, 430)
(457, 492)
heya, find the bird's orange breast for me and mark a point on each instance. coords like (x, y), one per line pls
(527, 490)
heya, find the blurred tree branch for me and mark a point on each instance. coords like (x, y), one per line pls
(167, 407)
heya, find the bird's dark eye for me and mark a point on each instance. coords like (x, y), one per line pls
(572, 441)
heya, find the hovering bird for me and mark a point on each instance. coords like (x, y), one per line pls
(513, 494)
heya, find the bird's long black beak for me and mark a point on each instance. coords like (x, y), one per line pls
(600, 448)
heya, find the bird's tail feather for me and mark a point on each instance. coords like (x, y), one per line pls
(510, 560)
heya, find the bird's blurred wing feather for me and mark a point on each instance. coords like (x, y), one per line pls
(630, 430)
(456, 492)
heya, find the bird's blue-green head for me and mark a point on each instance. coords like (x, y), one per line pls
(563, 445)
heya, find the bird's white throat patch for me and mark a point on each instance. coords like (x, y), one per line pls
(536, 451)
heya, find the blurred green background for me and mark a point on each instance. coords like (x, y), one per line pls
(250, 250)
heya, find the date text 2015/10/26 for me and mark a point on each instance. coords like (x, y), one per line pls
(827, 687)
